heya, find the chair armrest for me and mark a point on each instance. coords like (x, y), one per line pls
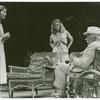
(18, 69)
(98, 49)
(47, 73)
(76, 54)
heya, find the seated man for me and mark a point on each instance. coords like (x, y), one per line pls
(81, 62)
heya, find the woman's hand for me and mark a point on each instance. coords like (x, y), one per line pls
(6, 36)
(62, 40)
(56, 40)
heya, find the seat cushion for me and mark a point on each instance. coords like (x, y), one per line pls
(40, 60)
(23, 76)
(37, 64)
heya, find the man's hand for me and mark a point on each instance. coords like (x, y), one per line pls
(71, 57)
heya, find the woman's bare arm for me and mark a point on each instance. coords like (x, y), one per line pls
(70, 39)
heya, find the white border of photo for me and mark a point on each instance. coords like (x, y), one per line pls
(49, 0)
(50, 98)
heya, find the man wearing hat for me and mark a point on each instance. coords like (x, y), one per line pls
(83, 61)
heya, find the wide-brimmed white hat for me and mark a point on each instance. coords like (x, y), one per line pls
(92, 30)
(2, 7)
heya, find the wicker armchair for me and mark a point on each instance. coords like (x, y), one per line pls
(87, 83)
(38, 74)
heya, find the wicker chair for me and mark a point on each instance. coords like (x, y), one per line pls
(38, 74)
(87, 83)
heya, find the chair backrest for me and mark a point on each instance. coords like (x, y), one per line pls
(39, 60)
(43, 54)
(96, 62)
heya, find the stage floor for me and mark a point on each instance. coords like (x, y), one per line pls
(25, 93)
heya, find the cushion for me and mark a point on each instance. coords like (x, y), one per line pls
(40, 60)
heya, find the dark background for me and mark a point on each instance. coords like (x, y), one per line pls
(29, 24)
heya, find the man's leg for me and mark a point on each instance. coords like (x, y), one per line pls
(61, 78)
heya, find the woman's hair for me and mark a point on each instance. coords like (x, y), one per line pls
(62, 28)
(2, 7)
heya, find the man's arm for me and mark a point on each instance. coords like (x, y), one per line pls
(82, 62)
(87, 58)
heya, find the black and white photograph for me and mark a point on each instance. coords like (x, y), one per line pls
(49, 49)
